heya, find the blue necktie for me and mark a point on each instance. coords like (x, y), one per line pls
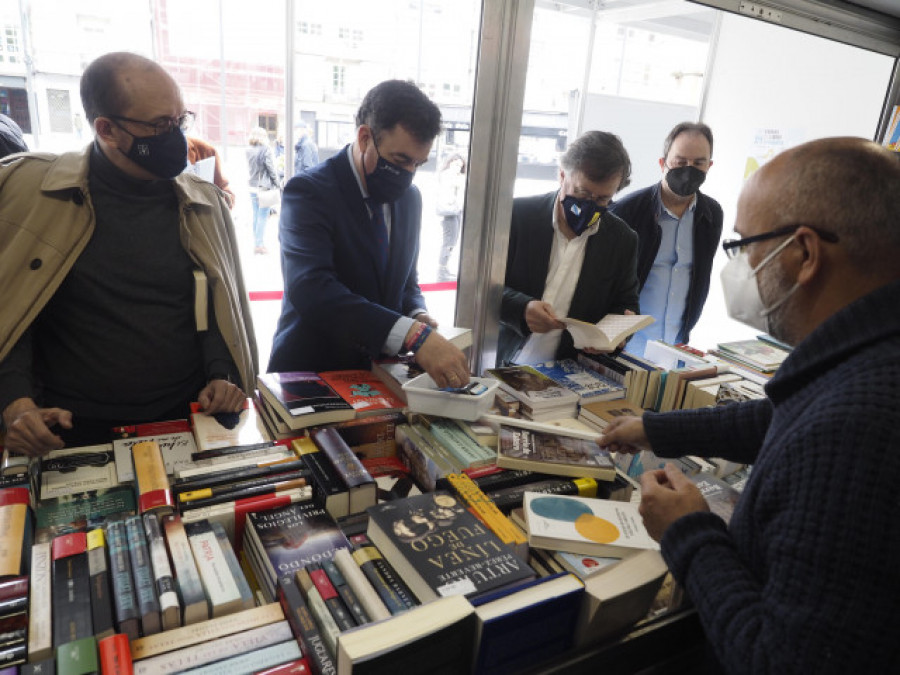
(380, 231)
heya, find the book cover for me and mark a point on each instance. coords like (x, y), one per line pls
(554, 454)
(396, 371)
(588, 384)
(435, 638)
(141, 570)
(371, 436)
(608, 333)
(71, 589)
(304, 626)
(358, 480)
(440, 548)
(303, 399)
(294, 536)
(187, 578)
(363, 390)
(533, 387)
(195, 634)
(219, 584)
(602, 413)
(598, 527)
(721, 497)
(582, 565)
(70, 470)
(756, 353)
(101, 600)
(83, 510)
(176, 447)
(528, 624)
(227, 429)
(124, 597)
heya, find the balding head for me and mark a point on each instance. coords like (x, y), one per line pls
(848, 186)
(115, 82)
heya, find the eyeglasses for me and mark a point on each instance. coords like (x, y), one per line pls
(600, 200)
(162, 126)
(680, 162)
(733, 247)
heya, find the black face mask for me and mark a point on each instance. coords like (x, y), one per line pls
(581, 213)
(387, 182)
(163, 155)
(685, 180)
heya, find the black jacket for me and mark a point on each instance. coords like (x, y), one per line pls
(607, 281)
(639, 210)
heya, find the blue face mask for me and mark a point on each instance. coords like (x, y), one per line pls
(581, 213)
(387, 182)
(163, 155)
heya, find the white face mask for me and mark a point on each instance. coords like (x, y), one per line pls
(741, 289)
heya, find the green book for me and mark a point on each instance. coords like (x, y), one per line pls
(78, 657)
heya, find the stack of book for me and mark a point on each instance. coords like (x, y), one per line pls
(540, 398)
(589, 384)
(758, 355)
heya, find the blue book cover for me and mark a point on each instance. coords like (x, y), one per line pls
(588, 384)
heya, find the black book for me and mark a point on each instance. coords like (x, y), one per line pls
(71, 589)
(348, 595)
(296, 611)
(101, 598)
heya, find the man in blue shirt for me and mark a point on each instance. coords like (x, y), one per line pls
(679, 229)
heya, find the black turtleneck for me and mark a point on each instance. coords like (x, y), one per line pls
(118, 340)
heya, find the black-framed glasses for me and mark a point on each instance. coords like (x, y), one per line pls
(163, 126)
(733, 247)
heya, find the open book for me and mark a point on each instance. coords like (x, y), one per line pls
(608, 333)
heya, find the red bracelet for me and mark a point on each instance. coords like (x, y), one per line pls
(407, 346)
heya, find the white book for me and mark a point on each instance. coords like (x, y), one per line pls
(81, 469)
(248, 458)
(368, 596)
(222, 591)
(40, 626)
(608, 333)
(254, 661)
(176, 448)
(169, 607)
(215, 650)
(187, 577)
(599, 527)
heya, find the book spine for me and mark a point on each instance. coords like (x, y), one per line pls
(475, 453)
(235, 566)
(348, 595)
(233, 474)
(488, 512)
(507, 499)
(304, 627)
(101, 602)
(145, 589)
(373, 565)
(124, 597)
(190, 588)
(115, 655)
(78, 657)
(40, 634)
(15, 530)
(255, 488)
(71, 589)
(214, 650)
(319, 609)
(436, 449)
(347, 464)
(250, 662)
(424, 469)
(169, 607)
(221, 588)
(365, 591)
(333, 600)
(298, 667)
(153, 489)
(187, 636)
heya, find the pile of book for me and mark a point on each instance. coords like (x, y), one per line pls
(539, 397)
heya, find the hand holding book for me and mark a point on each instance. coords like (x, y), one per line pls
(609, 333)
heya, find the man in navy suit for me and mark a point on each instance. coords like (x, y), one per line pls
(349, 236)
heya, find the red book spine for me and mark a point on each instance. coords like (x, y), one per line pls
(298, 667)
(115, 655)
(15, 495)
(68, 544)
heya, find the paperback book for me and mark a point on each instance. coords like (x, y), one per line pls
(588, 384)
(71, 470)
(303, 399)
(363, 390)
(597, 527)
(608, 333)
(554, 454)
(440, 548)
(176, 447)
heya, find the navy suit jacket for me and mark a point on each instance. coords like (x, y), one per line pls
(339, 306)
(607, 280)
(639, 210)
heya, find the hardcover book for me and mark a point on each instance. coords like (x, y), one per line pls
(588, 384)
(176, 446)
(363, 390)
(435, 638)
(554, 454)
(439, 548)
(608, 333)
(290, 538)
(359, 482)
(528, 624)
(70, 470)
(598, 527)
(329, 487)
(303, 399)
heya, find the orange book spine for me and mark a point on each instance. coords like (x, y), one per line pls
(154, 493)
(115, 655)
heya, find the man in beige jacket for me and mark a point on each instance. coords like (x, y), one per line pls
(105, 261)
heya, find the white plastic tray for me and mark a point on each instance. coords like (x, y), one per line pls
(424, 396)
